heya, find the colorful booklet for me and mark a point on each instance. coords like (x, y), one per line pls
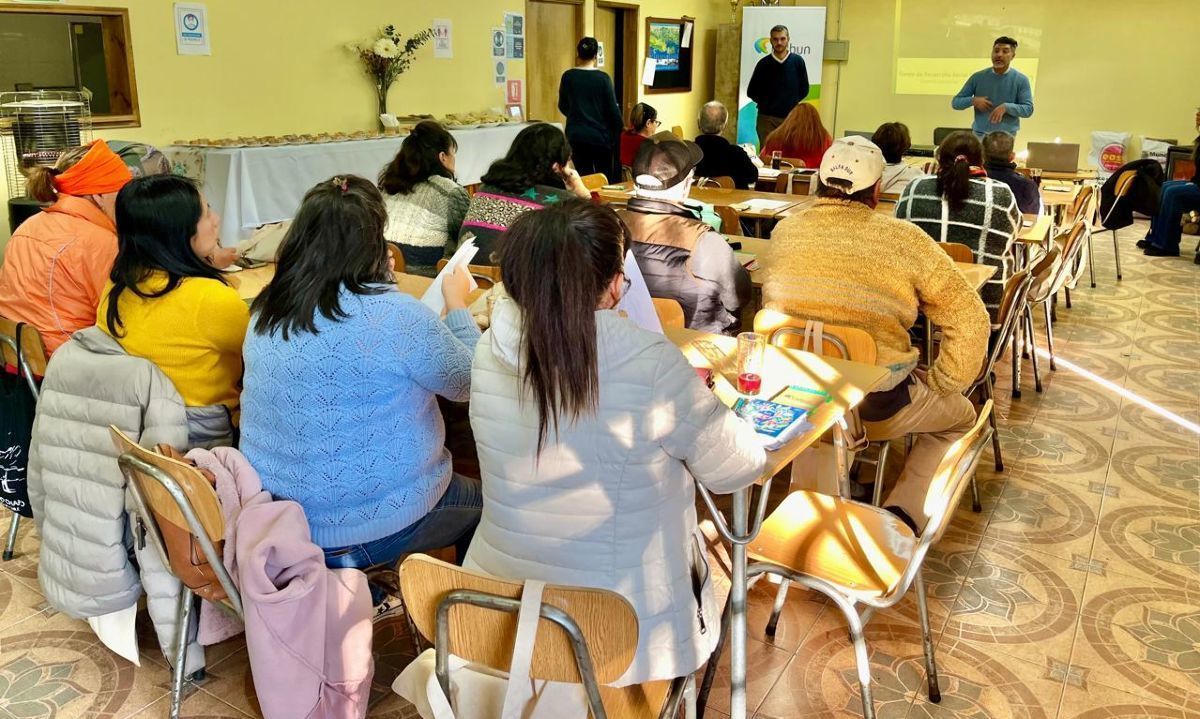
(775, 423)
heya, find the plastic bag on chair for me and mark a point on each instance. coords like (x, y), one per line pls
(480, 692)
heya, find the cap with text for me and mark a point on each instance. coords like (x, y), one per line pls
(664, 161)
(853, 159)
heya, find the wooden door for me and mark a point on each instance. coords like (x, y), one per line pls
(552, 29)
(616, 26)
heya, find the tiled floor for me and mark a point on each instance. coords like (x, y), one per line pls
(1074, 594)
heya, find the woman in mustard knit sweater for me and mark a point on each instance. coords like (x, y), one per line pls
(166, 301)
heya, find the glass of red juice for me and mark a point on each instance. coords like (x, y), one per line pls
(751, 349)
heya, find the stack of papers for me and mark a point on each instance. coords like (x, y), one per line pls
(433, 296)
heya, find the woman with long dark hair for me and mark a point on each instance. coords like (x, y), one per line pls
(535, 173)
(962, 204)
(343, 372)
(166, 300)
(591, 434)
(643, 122)
(801, 137)
(425, 205)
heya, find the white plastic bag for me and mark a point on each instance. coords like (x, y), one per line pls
(1156, 149)
(1108, 152)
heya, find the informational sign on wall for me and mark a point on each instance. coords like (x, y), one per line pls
(806, 30)
(191, 29)
(443, 45)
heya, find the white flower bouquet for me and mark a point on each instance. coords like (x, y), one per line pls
(388, 56)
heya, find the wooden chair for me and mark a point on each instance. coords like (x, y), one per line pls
(586, 636)
(177, 493)
(677, 131)
(958, 251)
(892, 197)
(930, 167)
(1008, 317)
(670, 313)
(21, 347)
(724, 181)
(397, 256)
(1069, 247)
(731, 221)
(1043, 273)
(1120, 192)
(594, 181)
(860, 555)
(485, 275)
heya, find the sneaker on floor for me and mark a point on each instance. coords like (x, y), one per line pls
(1156, 251)
(391, 607)
(1143, 244)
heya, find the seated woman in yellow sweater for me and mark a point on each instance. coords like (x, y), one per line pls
(166, 300)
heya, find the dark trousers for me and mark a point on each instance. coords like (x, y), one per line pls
(590, 158)
(1177, 197)
(765, 125)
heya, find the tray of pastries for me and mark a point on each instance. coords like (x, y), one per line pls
(280, 140)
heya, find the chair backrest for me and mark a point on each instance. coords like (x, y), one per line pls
(1081, 205)
(958, 251)
(731, 223)
(892, 197)
(1044, 272)
(930, 167)
(1124, 183)
(1012, 305)
(724, 181)
(670, 313)
(1070, 245)
(485, 636)
(594, 181)
(783, 330)
(949, 482)
(677, 131)
(485, 275)
(167, 490)
(32, 351)
(397, 256)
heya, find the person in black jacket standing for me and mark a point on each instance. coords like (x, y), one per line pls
(587, 99)
(779, 83)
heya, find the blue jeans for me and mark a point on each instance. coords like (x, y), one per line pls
(451, 521)
(1178, 197)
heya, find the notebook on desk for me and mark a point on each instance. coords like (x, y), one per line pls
(1053, 156)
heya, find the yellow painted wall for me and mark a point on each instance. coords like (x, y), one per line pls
(1104, 65)
(280, 66)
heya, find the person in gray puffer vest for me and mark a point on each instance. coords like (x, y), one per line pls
(90, 564)
(681, 257)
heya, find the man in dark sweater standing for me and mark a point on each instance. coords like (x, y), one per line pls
(587, 98)
(779, 83)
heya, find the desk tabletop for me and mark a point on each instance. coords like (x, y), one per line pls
(720, 196)
(249, 283)
(847, 382)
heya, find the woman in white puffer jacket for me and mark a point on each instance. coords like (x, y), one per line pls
(591, 432)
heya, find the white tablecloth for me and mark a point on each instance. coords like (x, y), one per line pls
(253, 186)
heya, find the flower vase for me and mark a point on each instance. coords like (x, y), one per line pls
(381, 93)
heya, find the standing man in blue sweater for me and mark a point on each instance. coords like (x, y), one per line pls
(1000, 95)
(779, 83)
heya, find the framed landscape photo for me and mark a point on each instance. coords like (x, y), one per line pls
(669, 47)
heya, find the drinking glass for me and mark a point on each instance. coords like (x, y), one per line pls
(751, 350)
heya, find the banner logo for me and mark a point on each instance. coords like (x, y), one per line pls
(762, 46)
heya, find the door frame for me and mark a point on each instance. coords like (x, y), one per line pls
(631, 39)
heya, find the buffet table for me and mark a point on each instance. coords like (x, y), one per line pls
(254, 186)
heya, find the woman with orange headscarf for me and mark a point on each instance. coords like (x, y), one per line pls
(800, 137)
(57, 261)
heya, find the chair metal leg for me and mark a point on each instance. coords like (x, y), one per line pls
(1050, 338)
(1117, 253)
(1091, 260)
(780, 600)
(995, 432)
(1037, 375)
(935, 692)
(863, 665)
(183, 616)
(1067, 292)
(1016, 359)
(12, 536)
(689, 698)
(880, 464)
(710, 672)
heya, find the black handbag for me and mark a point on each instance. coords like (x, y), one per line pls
(17, 405)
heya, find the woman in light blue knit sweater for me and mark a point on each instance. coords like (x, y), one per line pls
(339, 407)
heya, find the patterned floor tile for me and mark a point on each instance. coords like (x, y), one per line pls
(1096, 701)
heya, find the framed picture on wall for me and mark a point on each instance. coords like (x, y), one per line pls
(669, 47)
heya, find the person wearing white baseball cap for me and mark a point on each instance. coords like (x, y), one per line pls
(843, 263)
